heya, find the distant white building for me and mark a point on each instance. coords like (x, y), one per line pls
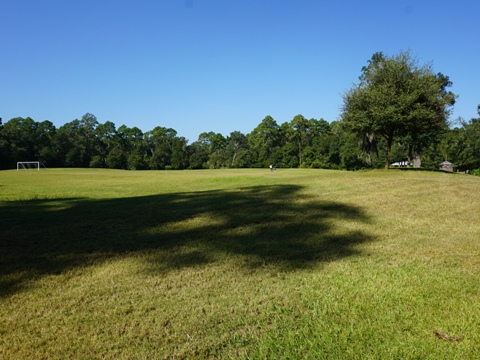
(446, 166)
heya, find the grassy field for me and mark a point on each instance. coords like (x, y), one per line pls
(293, 264)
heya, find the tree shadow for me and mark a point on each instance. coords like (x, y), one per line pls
(265, 225)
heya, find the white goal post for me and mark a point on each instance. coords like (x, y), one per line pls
(27, 165)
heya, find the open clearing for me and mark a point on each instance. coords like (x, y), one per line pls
(236, 264)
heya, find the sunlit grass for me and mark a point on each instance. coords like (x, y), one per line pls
(239, 264)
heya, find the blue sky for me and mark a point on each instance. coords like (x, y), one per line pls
(218, 65)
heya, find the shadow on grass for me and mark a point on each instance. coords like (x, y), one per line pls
(271, 225)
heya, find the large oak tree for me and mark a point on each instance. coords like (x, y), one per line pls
(397, 98)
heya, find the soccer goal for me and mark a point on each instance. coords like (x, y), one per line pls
(29, 165)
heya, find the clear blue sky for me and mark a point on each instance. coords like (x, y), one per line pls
(218, 65)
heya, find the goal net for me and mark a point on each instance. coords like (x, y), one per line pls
(28, 165)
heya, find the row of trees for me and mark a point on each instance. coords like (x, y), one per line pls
(299, 143)
(88, 143)
(398, 111)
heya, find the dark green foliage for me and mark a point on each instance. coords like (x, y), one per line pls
(198, 155)
(461, 145)
(116, 159)
(298, 143)
(237, 150)
(399, 101)
(22, 138)
(263, 140)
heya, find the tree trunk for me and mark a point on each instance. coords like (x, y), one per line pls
(300, 153)
(417, 162)
(389, 152)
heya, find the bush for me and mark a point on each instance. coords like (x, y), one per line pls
(97, 162)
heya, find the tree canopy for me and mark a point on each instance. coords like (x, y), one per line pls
(297, 143)
(396, 99)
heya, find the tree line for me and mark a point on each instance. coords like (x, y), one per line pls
(397, 112)
(301, 142)
(86, 142)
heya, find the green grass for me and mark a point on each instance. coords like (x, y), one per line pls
(294, 264)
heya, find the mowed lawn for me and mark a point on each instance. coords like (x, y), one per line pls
(292, 264)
